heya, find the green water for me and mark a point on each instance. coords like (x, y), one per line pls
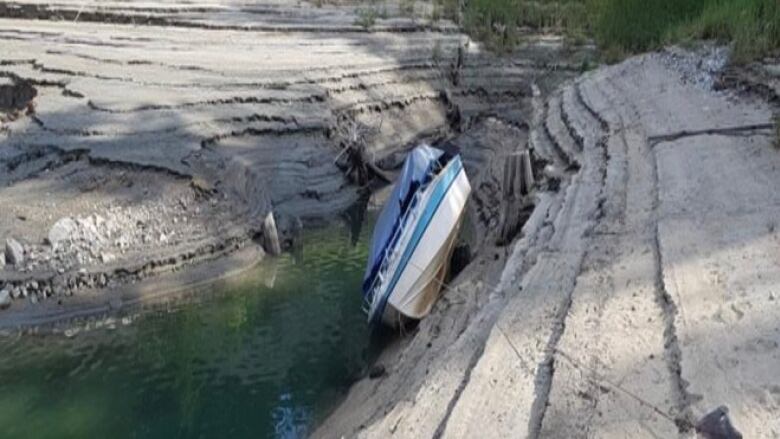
(265, 358)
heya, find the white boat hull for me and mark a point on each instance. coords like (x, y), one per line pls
(421, 261)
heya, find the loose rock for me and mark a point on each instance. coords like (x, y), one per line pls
(14, 252)
(62, 231)
(5, 298)
(717, 425)
(377, 371)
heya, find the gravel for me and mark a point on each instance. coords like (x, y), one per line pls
(700, 67)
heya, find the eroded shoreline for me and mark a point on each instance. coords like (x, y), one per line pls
(141, 155)
(635, 300)
(640, 286)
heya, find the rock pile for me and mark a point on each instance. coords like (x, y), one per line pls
(85, 251)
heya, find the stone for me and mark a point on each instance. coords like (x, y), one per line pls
(99, 221)
(377, 371)
(14, 252)
(201, 185)
(5, 298)
(16, 96)
(717, 425)
(122, 242)
(2, 260)
(62, 231)
(107, 257)
(87, 230)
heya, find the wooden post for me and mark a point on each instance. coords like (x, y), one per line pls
(527, 172)
(271, 236)
(517, 184)
(510, 196)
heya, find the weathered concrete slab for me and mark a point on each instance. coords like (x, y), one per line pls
(721, 255)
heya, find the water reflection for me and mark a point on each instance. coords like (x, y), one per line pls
(264, 359)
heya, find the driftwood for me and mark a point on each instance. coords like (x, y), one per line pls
(271, 235)
(352, 136)
(517, 185)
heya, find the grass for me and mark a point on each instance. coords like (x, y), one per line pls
(631, 26)
(449, 9)
(752, 25)
(494, 22)
(406, 8)
(366, 17)
(623, 27)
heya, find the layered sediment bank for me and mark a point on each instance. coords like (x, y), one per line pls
(640, 295)
(141, 141)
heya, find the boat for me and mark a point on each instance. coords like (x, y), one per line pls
(414, 237)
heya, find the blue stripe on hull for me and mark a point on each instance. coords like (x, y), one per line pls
(439, 193)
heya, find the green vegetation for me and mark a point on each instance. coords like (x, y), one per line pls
(622, 27)
(493, 22)
(448, 9)
(636, 25)
(406, 8)
(498, 23)
(366, 17)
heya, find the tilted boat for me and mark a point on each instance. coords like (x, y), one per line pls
(414, 237)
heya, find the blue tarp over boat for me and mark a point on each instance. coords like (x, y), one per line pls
(416, 171)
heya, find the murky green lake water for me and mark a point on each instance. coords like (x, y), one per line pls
(265, 359)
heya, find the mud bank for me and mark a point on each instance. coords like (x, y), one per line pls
(639, 296)
(142, 153)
